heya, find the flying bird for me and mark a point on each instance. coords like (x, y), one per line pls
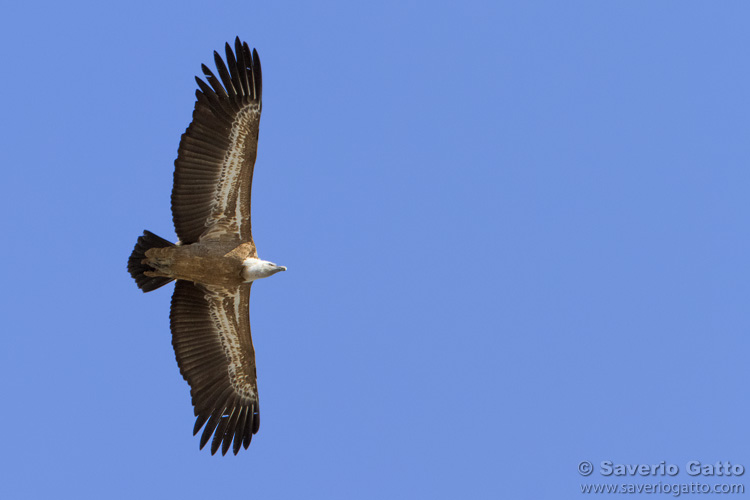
(215, 261)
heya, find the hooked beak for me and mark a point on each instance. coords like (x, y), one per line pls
(280, 268)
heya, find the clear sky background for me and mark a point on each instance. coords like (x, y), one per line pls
(516, 232)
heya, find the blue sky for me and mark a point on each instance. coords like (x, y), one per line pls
(516, 233)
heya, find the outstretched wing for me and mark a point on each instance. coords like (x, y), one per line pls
(214, 166)
(211, 338)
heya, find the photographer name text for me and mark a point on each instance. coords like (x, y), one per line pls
(691, 468)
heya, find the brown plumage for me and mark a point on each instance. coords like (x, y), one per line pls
(215, 261)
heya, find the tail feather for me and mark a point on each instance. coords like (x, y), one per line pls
(136, 267)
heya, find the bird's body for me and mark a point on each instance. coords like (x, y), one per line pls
(215, 262)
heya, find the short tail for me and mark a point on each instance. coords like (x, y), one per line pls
(136, 267)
